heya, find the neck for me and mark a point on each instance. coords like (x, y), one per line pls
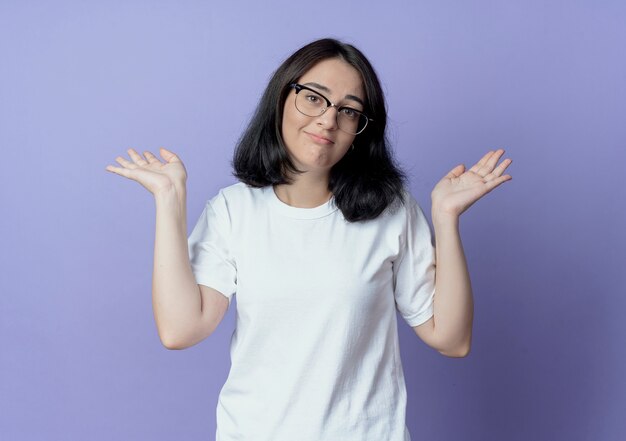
(306, 191)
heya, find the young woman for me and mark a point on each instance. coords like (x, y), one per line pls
(321, 243)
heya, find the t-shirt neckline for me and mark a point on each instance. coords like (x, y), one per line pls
(325, 209)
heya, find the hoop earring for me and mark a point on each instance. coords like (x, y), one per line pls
(351, 147)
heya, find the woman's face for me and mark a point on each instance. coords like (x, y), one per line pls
(315, 144)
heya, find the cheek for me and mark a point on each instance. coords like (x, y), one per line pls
(292, 124)
(287, 131)
(347, 141)
(287, 121)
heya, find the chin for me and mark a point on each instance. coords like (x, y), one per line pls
(320, 164)
(315, 158)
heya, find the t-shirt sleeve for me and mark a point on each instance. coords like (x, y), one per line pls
(209, 252)
(414, 268)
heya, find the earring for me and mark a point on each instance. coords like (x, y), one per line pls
(351, 147)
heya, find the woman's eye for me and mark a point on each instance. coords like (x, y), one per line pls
(313, 99)
(350, 113)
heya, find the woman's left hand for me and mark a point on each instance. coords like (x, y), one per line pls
(459, 189)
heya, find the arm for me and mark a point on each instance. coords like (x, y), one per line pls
(450, 329)
(454, 307)
(185, 312)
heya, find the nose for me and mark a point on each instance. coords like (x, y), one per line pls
(328, 119)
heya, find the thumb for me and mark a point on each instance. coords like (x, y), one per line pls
(168, 156)
(456, 171)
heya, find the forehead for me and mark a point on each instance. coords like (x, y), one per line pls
(338, 76)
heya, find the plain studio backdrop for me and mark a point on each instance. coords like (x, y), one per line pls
(80, 82)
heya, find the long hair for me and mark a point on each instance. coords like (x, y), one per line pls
(366, 180)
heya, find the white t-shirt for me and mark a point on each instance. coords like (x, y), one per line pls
(314, 354)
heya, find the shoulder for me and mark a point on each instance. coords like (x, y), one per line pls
(402, 208)
(236, 193)
(236, 198)
(405, 217)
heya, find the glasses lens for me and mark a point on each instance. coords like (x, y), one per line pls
(310, 103)
(351, 121)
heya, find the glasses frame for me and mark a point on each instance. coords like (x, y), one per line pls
(299, 87)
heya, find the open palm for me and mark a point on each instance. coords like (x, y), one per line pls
(459, 189)
(153, 174)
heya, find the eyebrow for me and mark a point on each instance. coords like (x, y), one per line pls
(327, 90)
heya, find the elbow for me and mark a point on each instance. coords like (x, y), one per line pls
(172, 342)
(457, 353)
(172, 345)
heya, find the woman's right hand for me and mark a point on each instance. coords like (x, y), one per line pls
(154, 175)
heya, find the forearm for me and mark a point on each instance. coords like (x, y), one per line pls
(176, 298)
(454, 307)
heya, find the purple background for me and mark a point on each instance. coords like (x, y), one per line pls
(80, 83)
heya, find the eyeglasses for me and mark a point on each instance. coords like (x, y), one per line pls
(313, 103)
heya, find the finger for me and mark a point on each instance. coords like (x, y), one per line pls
(493, 160)
(137, 159)
(151, 158)
(456, 171)
(482, 162)
(118, 170)
(491, 163)
(127, 164)
(499, 169)
(168, 156)
(490, 185)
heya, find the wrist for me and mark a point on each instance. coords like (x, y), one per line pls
(443, 219)
(169, 194)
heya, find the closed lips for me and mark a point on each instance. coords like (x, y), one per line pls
(320, 138)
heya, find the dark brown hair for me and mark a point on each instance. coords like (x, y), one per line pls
(366, 180)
